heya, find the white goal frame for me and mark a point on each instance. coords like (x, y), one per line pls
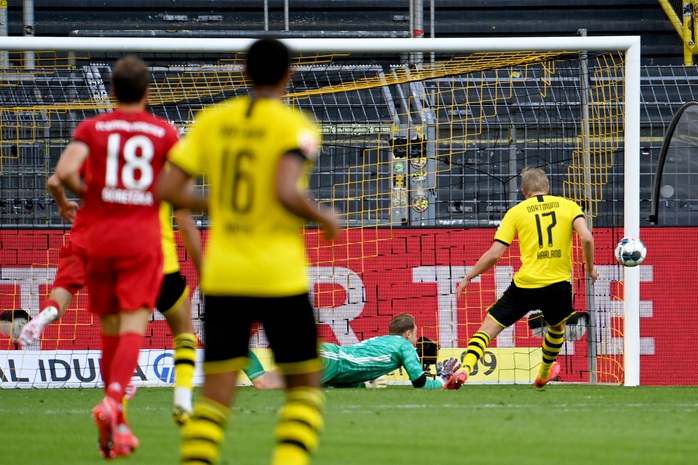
(629, 45)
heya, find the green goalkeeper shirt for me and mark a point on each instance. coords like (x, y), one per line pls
(355, 364)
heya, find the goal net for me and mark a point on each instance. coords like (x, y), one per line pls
(424, 140)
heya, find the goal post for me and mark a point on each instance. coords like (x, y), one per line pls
(431, 134)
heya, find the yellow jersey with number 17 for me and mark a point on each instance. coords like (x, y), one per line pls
(543, 224)
(255, 246)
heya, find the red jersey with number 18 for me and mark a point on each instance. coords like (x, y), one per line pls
(127, 152)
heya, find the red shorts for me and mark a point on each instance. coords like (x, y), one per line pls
(70, 274)
(124, 283)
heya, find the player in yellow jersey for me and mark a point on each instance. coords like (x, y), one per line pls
(173, 302)
(544, 225)
(255, 152)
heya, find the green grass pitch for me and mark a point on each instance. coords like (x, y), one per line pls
(479, 425)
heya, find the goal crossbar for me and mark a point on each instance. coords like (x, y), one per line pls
(382, 45)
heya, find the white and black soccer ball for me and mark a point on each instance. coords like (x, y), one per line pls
(630, 251)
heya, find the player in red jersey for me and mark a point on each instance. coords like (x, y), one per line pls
(124, 151)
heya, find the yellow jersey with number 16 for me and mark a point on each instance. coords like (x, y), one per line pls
(255, 246)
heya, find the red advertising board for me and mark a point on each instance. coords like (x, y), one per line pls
(367, 276)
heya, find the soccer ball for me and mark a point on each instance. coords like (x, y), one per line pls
(630, 251)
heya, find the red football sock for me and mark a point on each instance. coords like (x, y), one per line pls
(109, 345)
(50, 303)
(125, 362)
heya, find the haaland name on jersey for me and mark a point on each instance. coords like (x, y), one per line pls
(543, 254)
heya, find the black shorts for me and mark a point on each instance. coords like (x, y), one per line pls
(173, 291)
(555, 301)
(289, 323)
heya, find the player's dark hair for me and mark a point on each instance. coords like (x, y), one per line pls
(130, 78)
(400, 324)
(268, 60)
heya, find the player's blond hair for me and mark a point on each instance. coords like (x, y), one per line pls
(400, 324)
(534, 180)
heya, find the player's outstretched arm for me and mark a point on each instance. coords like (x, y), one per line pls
(486, 261)
(68, 167)
(66, 207)
(175, 186)
(415, 371)
(190, 237)
(295, 200)
(587, 240)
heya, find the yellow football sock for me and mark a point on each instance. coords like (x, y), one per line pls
(475, 350)
(552, 344)
(184, 359)
(300, 422)
(203, 435)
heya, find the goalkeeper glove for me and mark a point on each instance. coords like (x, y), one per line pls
(32, 330)
(446, 369)
(380, 382)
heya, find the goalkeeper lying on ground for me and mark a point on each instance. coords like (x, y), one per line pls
(365, 363)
